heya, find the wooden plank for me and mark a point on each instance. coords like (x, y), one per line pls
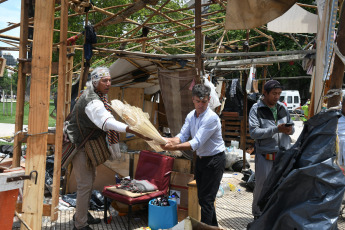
(2, 66)
(39, 112)
(46, 209)
(21, 83)
(198, 42)
(256, 61)
(13, 172)
(120, 166)
(50, 138)
(134, 96)
(54, 66)
(194, 209)
(182, 165)
(68, 81)
(114, 93)
(60, 112)
(231, 133)
(338, 67)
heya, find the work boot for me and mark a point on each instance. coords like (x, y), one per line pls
(90, 219)
(87, 227)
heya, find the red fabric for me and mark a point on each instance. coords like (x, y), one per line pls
(154, 167)
(72, 40)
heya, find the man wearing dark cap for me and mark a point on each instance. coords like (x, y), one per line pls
(270, 126)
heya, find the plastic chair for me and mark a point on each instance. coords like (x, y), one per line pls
(154, 167)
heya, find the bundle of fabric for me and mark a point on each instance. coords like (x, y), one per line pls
(139, 122)
(137, 186)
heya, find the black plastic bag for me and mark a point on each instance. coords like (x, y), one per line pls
(249, 178)
(96, 201)
(305, 187)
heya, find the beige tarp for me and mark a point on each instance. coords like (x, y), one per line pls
(176, 96)
(295, 20)
(248, 14)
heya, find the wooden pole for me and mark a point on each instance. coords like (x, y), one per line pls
(198, 42)
(84, 65)
(21, 83)
(338, 67)
(244, 121)
(265, 71)
(60, 112)
(39, 111)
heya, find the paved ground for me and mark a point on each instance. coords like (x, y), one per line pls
(7, 130)
(233, 211)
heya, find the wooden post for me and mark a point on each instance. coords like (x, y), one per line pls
(315, 106)
(198, 42)
(338, 67)
(60, 112)
(194, 209)
(68, 81)
(21, 83)
(243, 133)
(265, 70)
(39, 111)
(244, 121)
(84, 68)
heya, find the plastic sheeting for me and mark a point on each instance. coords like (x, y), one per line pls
(305, 188)
(248, 14)
(295, 20)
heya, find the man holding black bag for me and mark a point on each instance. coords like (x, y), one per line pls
(90, 121)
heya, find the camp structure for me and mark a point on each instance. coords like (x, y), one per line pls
(156, 50)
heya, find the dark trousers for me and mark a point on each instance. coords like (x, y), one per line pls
(208, 174)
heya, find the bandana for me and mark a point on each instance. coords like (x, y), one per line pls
(96, 77)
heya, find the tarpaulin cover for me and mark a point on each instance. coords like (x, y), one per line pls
(177, 97)
(248, 14)
(305, 188)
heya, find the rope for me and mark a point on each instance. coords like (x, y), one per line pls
(332, 93)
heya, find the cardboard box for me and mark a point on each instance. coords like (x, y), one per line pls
(178, 187)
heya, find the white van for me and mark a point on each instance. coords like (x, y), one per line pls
(291, 98)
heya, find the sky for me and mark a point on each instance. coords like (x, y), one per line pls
(10, 12)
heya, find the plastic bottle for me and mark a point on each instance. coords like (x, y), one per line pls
(220, 192)
(117, 179)
(173, 197)
(226, 188)
(113, 213)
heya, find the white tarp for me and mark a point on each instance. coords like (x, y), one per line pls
(295, 20)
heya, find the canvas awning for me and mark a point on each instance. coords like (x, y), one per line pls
(295, 20)
(248, 14)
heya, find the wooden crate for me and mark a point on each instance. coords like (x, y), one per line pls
(231, 129)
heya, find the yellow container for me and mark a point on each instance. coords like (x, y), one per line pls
(232, 187)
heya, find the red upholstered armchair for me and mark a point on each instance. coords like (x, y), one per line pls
(154, 167)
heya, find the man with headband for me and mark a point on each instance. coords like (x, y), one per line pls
(92, 113)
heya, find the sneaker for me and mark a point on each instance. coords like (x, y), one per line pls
(87, 227)
(90, 219)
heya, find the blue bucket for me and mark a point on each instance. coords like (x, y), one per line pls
(162, 217)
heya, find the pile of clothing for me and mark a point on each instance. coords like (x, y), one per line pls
(136, 186)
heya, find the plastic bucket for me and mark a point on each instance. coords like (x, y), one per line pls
(162, 217)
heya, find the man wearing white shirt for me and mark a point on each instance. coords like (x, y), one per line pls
(92, 113)
(203, 126)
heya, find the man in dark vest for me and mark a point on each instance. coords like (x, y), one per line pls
(92, 113)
